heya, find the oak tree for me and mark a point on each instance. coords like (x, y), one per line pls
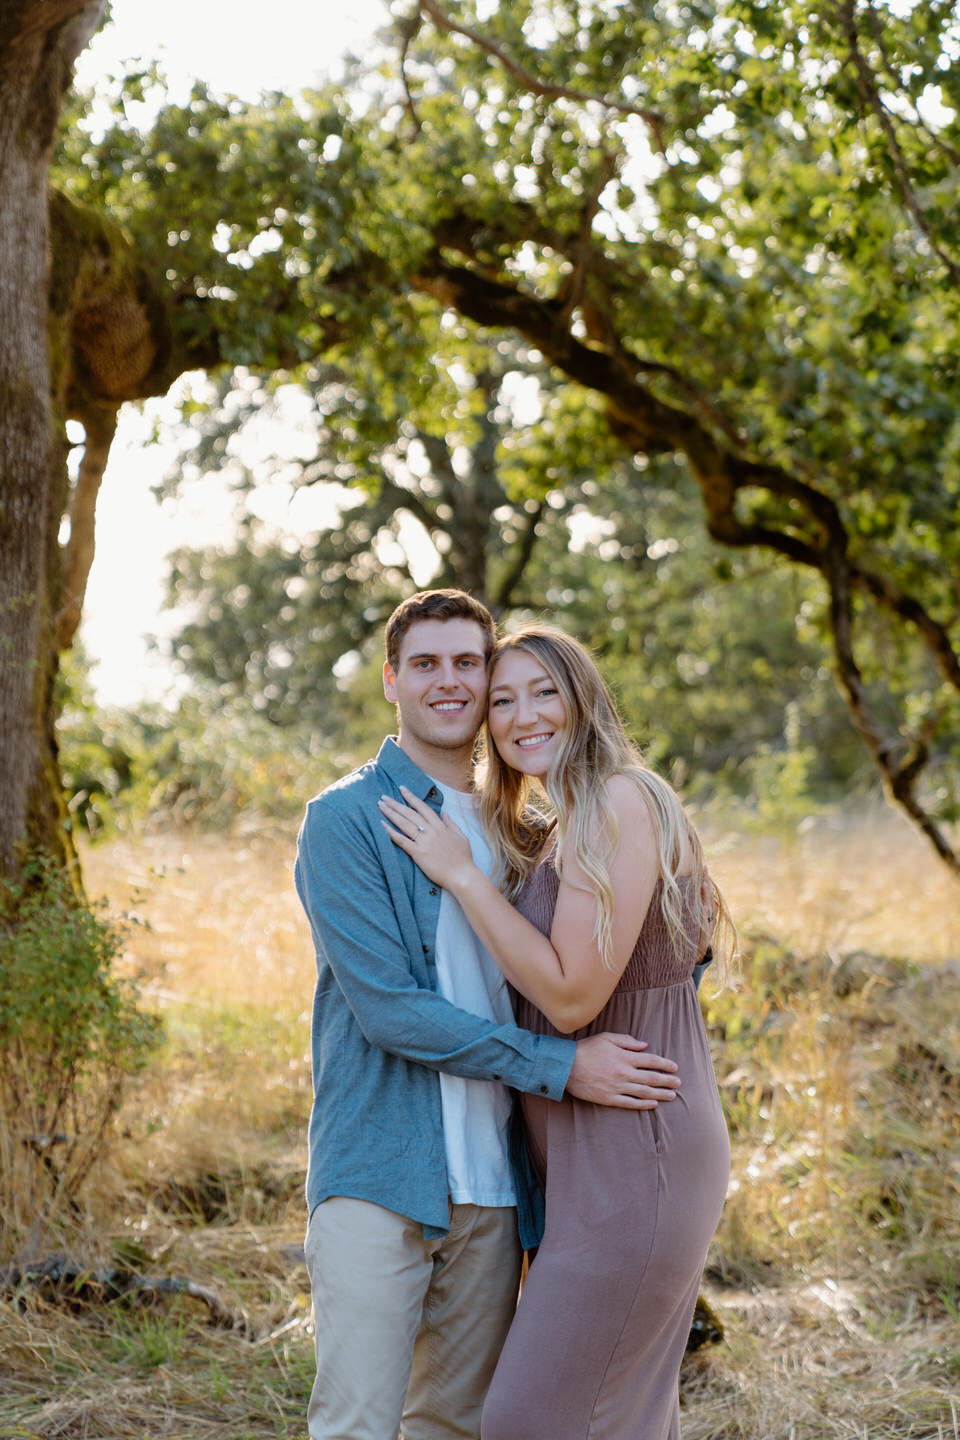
(731, 224)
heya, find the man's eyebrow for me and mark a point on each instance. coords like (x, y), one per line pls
(432, 655)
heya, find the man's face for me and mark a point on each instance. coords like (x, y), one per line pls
(439, 685)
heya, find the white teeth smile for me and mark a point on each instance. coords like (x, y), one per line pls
(529, 741)
(449, 705)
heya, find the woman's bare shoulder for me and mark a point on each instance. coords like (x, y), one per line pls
(635, 812)
(630, 805)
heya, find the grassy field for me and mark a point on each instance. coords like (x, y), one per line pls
(835, 1271)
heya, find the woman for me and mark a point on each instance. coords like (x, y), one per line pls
(611, 908)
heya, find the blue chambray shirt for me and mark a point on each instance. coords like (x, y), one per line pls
(381, 1031)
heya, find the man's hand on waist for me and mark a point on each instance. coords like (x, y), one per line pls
(619, 1070)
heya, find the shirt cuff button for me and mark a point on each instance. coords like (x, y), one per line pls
(544, 1089)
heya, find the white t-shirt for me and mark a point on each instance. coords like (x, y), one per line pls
(476, 1113)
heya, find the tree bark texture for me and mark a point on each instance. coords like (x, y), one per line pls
(78, 337)
(38, 43)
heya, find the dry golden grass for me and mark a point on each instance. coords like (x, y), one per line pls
(846, 881)
(836, 1270)
(224, 921)
(226, 957)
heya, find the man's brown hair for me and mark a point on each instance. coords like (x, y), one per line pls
(437, 605)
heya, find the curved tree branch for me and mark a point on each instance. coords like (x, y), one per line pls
(441, 466)
(817, 537)
(653, 118)
(873, 101)
(648, 424)
(100, 426)
(934, 138)
(900, 769)
(502, 600)
(408, 32)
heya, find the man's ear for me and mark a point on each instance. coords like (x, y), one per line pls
(389, 682)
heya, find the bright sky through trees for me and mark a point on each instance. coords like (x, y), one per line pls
(245, 48)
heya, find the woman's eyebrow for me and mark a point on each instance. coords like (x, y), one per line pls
(536, 680)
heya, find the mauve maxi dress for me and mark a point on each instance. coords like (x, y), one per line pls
(632, 1200)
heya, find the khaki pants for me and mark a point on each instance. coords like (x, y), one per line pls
(408, 1330)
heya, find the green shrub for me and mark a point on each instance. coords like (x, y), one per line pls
(71, 1037)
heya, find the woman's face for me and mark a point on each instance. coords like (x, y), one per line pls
(525, 713)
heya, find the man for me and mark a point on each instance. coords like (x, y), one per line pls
(415, 1207)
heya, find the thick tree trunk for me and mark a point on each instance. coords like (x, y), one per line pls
(38, 43)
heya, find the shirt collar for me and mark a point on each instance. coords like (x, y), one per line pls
(403, 771)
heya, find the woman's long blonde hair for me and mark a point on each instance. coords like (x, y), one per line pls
(594, 746)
